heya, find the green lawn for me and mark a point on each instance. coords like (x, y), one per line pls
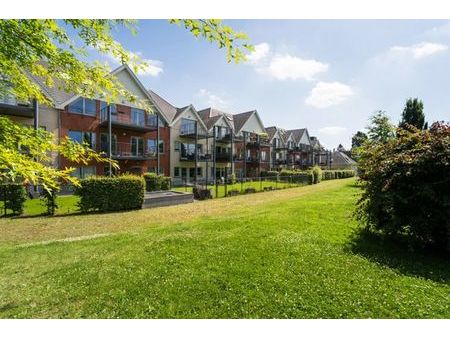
(33, 207)
(290, 253)
(240, 187)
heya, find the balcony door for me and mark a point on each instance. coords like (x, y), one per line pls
(137, 146)
(138, 116)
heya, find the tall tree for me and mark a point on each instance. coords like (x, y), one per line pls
(358, 139)
(413, 114)
(24, 43)
(380, 129)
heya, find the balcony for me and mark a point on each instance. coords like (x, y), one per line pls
(10, 106)
(128, 151)
(252, 159)
(125, 121)
(225, 138)
(190, 157)
(280, 162)
(223, 157)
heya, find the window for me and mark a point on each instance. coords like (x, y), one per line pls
(177, 146)
(176, 172)
(161, 146)
(77, 106)
(83, 106)
(248, 153)
(263, 155)
(90, 107)
(83, 136)
(152, 120)
(137, 146)
(191, 172)
(151, 145)
(183, 172)
(84, 172)
(187, 126)
(104, 146)
(199, 171)
(138, 116)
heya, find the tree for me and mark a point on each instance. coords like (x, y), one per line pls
(25, 154)
(413, 114)
(406, 186)
(358, 141)
(44, 49)
(25, 43)
(380, 129)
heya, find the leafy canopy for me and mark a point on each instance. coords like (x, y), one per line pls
(26, 43)
(380, 129)
(26, 153)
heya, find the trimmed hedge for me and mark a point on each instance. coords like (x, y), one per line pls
(337, 174)
(111, 193)
(14, 196)
(296, 176)
(155, 182)
(270, 173)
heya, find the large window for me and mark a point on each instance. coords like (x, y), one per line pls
(83, 172)
(83, 106)
(104, 146)
(176, 172)
(83, 137)
(263, 155)
(137, 146)
(138, 116)
(151, 146)
(187, 126)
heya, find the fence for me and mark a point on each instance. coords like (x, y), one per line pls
(246, 185)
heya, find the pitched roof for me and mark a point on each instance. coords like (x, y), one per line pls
(271, 131)
(240, 119)
(167, 109)
(297, 134)
(341, 159)
(210, 116)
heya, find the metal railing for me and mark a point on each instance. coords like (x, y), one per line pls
(228, 187)
(122, 150)
(142, 121)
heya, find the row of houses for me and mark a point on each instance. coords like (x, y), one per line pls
(182, 142)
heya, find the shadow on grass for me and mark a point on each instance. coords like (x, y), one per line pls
(430, 265)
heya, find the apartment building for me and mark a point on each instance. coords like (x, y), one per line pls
(186, 144)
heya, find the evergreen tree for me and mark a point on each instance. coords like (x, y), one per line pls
(413, 114)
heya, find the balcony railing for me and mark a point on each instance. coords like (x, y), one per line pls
(122, 119)
(122, 150)
(223, 156)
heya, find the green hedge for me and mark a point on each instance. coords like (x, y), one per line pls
(337, 174)
(296, 176)
(111, 193)
(270, 173)
(14, 196)
(155, 182)
(317, 174)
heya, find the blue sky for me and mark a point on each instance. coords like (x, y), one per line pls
(326, 75)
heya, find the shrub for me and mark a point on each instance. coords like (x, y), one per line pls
(271, 173)
(317, 174)
(111, 193)
(14, 197)
(337, 174)
(49, 199)
(297, 176)
(406, 187)
(155, 182)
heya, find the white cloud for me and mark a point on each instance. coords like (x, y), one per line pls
(287, 67)
(326, 94)
(332, 130)
(212, 100)
(261, 51)
(153, 68)
(420, 50)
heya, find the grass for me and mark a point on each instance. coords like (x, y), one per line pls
(291, 253)
(34, 207)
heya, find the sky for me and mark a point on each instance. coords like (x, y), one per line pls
(325, 75)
